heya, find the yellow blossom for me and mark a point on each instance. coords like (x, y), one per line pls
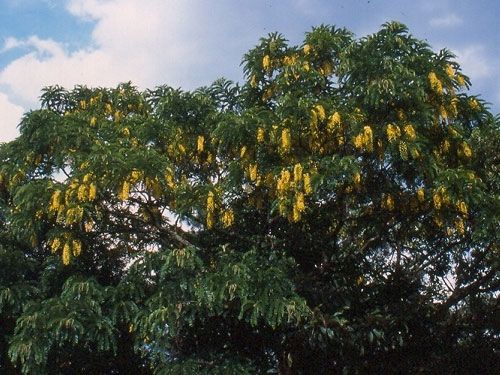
(252, 172)
(253, 81)
(181, 148)
(83, 104)
(466, 149)
(210, 220)
(66, 256)
(333, 121)
(135, 176)
(459, 225)
(320, 111)
(442, 112)
(93, 121)
(55, 201)
(357, 179)
(266, 62)
(388, 202)
(473, 104)
(82, 193)
(126, 132)
(368, 138)
(307, 49)
(460, 80)
(55, 244)
(299, 202)
(210, 202)
(438, 220)
(435, 83)
(124, 191)
(421, 195)
(358, 141)
(227, 218)
(285, 140)
(87, 178)
(326, 68)
(307, 183)
(410, 131)
(437, 199)
(92, 191)
(462, 208)
(260, 135)
(306, 66)
(283, 182)
(297, 172)
(296, 215)
(393, 132)
(201, 143)
(77, 247)
(243, 151)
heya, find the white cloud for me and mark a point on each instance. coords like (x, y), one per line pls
(11, 116)
(474, 61)
(147, 42)
(450, 20)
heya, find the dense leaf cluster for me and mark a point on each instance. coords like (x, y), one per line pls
(336, 213)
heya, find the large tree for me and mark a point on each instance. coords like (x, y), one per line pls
(336, 213)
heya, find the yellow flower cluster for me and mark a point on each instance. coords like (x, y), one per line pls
(364, 140)
(307, 183)
(266, 62)
(169, 178)
(393, 132)
(440, 197)
(474, 104)
(421, 195)
(260, 135)
(357, 179)
(307, 49)
(124, 192)
(55, 201)
(290, 60)
(210, 210)
(435, 83)
(326, 68)
(297, 173)
(298, 206)
(286, 141)
(460, 80)
(252, 172)
(459, 226)
(333, 122)
(227, 218)
(388, 202)
(410, 132)
(319, 110)
(253, 81)
(201, 143)
(462, 208)
(283, 182)
(466, 150)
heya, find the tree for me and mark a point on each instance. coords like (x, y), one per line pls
(336, 213)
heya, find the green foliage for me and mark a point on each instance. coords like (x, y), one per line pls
(335, 213)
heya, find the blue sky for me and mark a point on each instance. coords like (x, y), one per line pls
(190, 43)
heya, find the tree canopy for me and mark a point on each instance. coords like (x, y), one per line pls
(335, 213)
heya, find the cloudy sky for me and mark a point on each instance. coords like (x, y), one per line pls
(190, 43)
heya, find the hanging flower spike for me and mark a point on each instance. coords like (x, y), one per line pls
(201, 143)
(266, 62)
(333, 121)
(285, 140)
(435, 83)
